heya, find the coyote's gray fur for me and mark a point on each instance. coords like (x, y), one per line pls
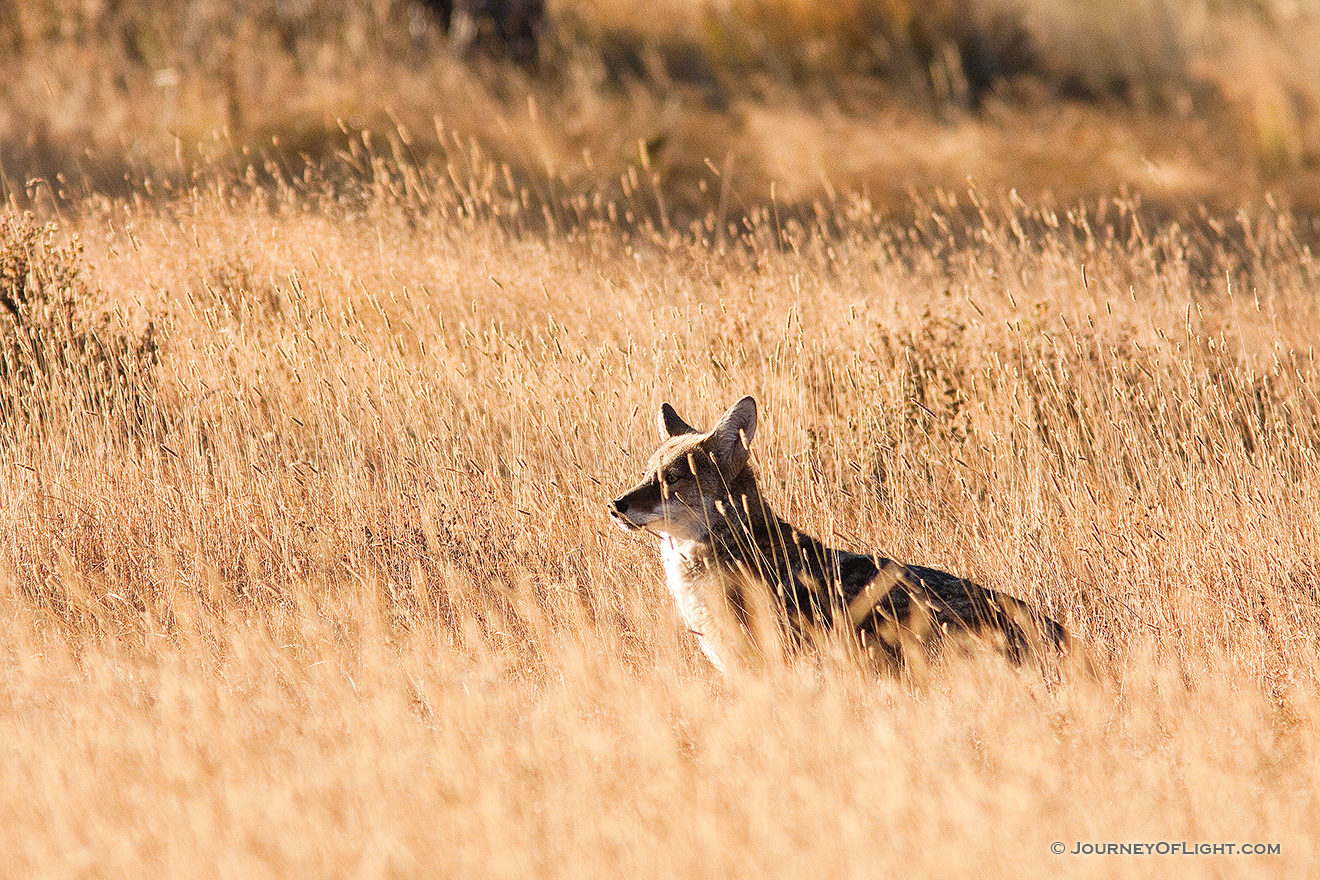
(743, 578)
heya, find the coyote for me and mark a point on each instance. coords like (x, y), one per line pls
(745, 581)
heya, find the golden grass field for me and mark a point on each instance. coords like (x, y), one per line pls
(330, 590)
(307, 437)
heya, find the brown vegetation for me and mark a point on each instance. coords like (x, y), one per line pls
(308, 426)
(347, 600)
(789, 101)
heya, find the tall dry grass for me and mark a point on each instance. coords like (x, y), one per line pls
(327, 589)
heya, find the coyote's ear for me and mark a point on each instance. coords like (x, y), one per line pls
(732, 436)
(671, 423)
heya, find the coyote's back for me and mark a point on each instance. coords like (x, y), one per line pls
(742, 576)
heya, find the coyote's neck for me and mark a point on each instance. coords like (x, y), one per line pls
(748, 543)
(752, 540)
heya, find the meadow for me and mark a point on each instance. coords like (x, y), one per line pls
(306, 567)
(310, 411)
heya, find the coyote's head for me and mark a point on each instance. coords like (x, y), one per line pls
(689, 481)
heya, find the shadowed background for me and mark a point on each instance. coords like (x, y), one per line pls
(1185, 102)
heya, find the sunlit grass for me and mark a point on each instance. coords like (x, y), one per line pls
(337, 595)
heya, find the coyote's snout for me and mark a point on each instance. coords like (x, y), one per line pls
(743, 578)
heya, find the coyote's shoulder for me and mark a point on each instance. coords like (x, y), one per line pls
(741, 576)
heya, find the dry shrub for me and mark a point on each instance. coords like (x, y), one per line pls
(55, 350)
